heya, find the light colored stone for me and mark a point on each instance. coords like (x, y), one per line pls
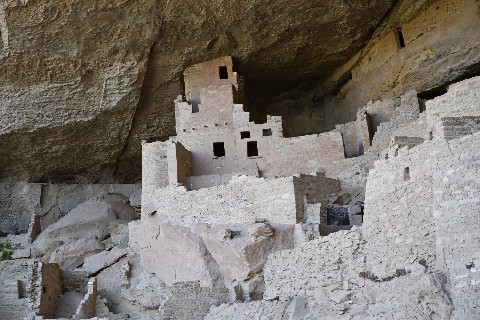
(73, 253)
(175, 254)
(68, 304)
(93, 264)
(21, 253)
(89, 220)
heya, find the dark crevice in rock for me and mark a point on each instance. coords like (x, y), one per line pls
(370, 276)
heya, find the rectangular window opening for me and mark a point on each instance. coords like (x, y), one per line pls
(219, 149)
(21, 290)
(195, 107)
(401, 39)
(406, 174)
(223, 72)
(252, 150)
(267, 132)
(44, 289)
(244, 134)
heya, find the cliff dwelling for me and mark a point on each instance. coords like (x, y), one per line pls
(289, 161)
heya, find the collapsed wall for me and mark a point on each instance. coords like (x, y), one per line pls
(29, 288)
(416, 252)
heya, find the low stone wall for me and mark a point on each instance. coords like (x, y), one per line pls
(314, 269)
(189, 301)
(75, 280)
(243, 200)
(15, 286)
(264, 310)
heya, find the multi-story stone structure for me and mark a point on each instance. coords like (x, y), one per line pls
(226, 170)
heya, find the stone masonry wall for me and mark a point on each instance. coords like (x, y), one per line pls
(189, 301)
(398, 212)
(154, 167)
(457, 112)
(320, 270)
(243, 200)
(87, 307)
(15, 286)
(313, 190)
(50, 288)
(456, 210)
(179, 163)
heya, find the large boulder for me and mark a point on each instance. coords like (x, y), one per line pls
(89, 220)
(242, 250)
(175, 254)
(72, 254)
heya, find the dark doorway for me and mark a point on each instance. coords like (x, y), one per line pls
(252, 150)
(219, 149)
(223, 72)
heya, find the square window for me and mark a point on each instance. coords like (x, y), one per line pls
(244, 134)
(219, 149)
(223, 72)
(252, 150)
(267, 132)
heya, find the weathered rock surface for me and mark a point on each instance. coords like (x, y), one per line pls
(72, 254)
(20, 200)
(102, 260)
(89, 220)
(175, 254)
(76, 100)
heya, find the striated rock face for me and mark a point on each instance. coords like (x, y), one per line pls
(81, 83)
(70, 79)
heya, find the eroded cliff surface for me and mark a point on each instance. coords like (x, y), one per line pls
(81, 83)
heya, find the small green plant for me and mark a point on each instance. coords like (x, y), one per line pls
(7, 249)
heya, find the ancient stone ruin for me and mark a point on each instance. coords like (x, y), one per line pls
(341, 180)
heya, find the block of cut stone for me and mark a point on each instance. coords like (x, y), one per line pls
(22, 253)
